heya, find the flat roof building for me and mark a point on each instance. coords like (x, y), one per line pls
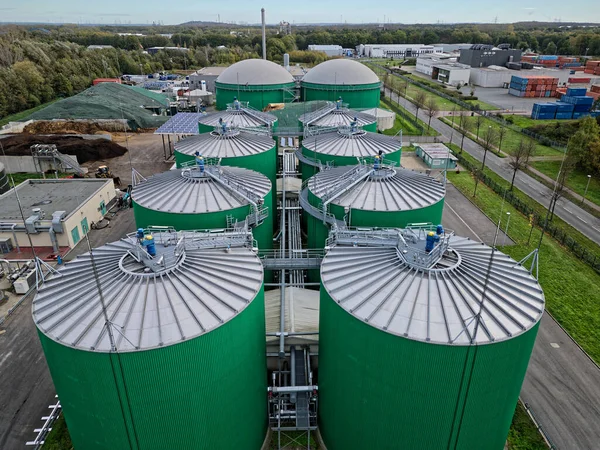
(480, 55)
(395, 50)
(329, 50)
(444, 68)
(436, 156)
(58, 213)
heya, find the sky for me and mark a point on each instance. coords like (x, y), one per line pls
(307, 11)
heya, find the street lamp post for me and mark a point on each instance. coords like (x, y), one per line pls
(586, 189)
(506, 231)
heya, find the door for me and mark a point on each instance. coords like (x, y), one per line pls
(75, 235)
(84, 226)
(103, 207)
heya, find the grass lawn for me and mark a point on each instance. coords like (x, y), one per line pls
(58, 438)
(526, 121)
(20, 177)
(482, 105)
(577, 180)
(24, 114)
(571, 287)
(523, 435)
(408, 127)
(511, 138)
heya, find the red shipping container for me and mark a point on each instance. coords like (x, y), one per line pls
(594, 95)
(595, 88)
(580, 80)
(105, 80)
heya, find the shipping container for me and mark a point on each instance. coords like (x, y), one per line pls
(564, 115)
(573, 92)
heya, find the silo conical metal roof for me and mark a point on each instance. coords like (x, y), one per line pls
(347, 143)
(255, 72)
(203, 289)
(386, 189)
(439, 304)
(330, 116)
(339, 72)
(231, 144)
(239, 118)
(176, 191)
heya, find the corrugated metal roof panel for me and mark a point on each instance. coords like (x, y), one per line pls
(206, 289)
(238, 118)
(441, 305)
(230, 145)
(339, 117)
(386, 190)
(342, 143)
(173, 192)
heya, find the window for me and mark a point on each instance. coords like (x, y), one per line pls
(436, 162)
(75, 235)
(84, 226)
(103, 207)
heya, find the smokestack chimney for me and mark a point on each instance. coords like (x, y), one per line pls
(264, 33)
(286, 61)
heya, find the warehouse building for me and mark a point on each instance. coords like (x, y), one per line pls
(395, 50)
(444, 68)
(58, 213)
(480, 55)
(207, 74)
(498, 76)
(329, 50)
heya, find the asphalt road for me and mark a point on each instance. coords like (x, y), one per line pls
(562, 387)
(565, 209)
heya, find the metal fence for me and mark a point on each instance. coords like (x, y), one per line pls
(581, 252)
(403, 113)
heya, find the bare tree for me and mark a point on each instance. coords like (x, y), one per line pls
(464, 128)
(479, 119)
(402, 86)
(419, 101)
(501, 134)
(489, 138)
(563, 175)
(520, 157)
(431, 109)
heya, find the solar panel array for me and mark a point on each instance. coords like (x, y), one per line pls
(181, 123)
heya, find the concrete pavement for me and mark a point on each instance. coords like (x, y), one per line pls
(578, 218)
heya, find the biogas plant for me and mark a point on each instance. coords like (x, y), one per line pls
(289, 275)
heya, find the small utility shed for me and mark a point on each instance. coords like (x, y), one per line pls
(436, 156)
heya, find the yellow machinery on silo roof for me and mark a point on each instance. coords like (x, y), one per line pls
(159, 343)
(424, 340)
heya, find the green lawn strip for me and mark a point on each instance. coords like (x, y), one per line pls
(58, 438)
(408, 126)
(482, 105)
(539, 209)
(526, 121)
(22, 176)
(523, 434)
(577, 180)
(511, 138)
(20, 116)
(571, 287)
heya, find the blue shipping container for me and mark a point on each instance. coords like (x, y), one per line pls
(516, 93)
(577, 115)
(574, 92)
(564, 107)
(564, 116)
(584, 100)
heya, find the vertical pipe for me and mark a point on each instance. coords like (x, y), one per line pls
(264, 34)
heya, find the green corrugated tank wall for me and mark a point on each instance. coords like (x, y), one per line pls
(210, 391)
(318, 232)
(357, 96)
(424, 395)
(145, 217)
(258, 96)
(308, 171)
(265, 162)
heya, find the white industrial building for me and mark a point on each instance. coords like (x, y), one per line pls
(329, 50)
(58, 213)
(498, 77)
(444, 68)
(395, 50)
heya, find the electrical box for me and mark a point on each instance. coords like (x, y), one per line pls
(24, 283)
(6, 245)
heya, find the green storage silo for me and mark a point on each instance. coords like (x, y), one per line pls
(358, 85)
(423, 356)
(188, 199)
(342, 147)
(235, 118)
(236, 148)
(256, 81)
(334, 116)
(362, 196)
(146, 358)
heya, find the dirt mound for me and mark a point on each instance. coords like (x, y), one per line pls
(75, 126)
(85, 149)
